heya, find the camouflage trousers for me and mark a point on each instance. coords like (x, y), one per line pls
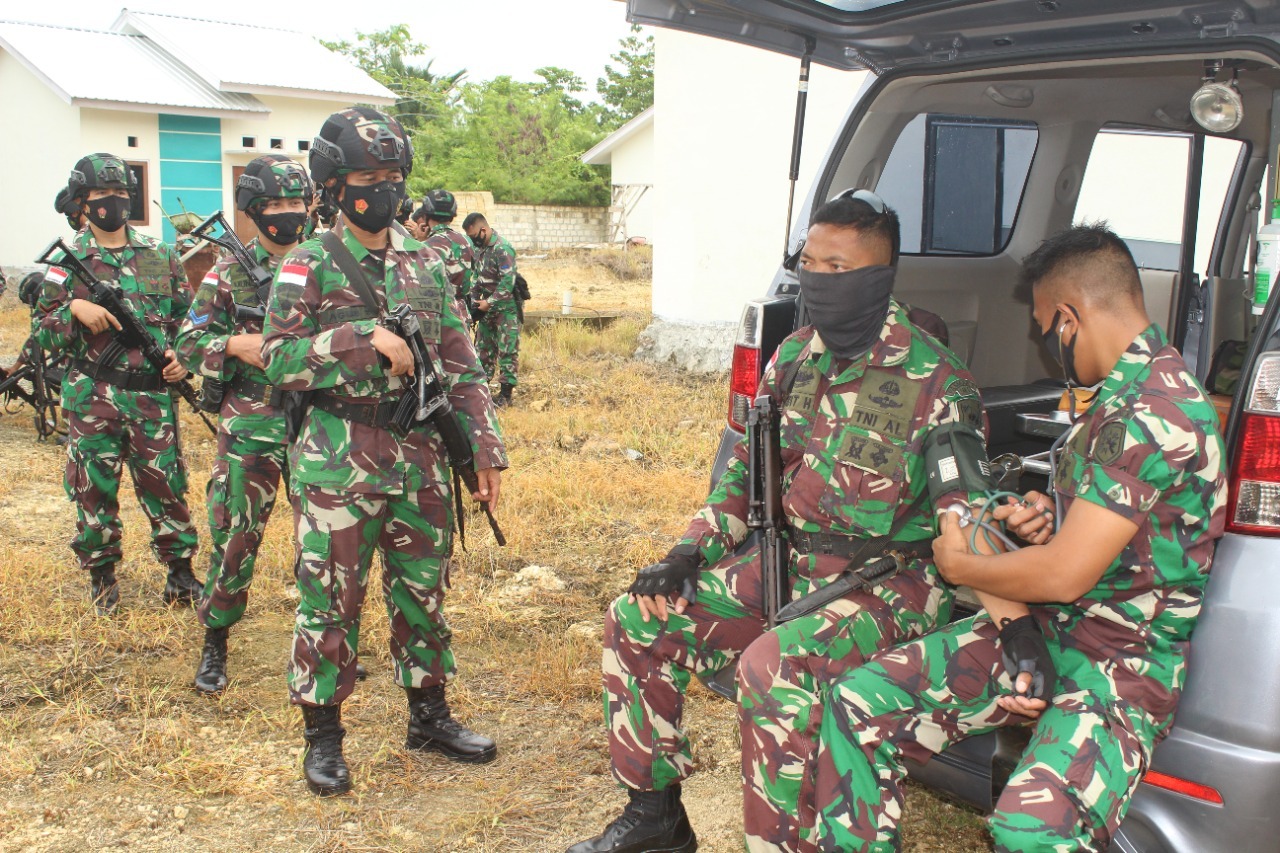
(242, 493)
(1068, 793)
(781, 675)
(337, 534)
(498, 344)
(97, 448)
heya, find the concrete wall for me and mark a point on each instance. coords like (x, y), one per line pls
(633, 162)
(536, 227)
(723, 144)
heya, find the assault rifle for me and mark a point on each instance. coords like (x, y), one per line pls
(426, 400)
(43, 374)
(764, 503)
(230, 241)
(132, 334)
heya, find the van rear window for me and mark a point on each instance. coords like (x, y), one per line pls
(957, 182)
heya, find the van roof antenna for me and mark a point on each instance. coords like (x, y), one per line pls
(797, 137)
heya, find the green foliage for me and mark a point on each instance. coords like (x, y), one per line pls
(628, 89)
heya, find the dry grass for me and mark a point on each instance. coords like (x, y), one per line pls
(103, 744)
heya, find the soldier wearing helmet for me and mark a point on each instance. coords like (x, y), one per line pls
(221, 340)
(67, 206)
(496, 297)
(356, 483)
(118, 406)
(437, 212)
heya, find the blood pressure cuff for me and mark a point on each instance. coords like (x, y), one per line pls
(955, 457)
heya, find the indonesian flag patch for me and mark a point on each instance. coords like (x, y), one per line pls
(293, 274)
(57, 275)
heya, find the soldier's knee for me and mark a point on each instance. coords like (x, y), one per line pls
(1045, 821)
(759, 664)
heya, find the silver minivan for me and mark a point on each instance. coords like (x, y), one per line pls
(992, 124)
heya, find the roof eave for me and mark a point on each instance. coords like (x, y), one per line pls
(307, 94)
(169, 109)
(602, 153)
(35, 69)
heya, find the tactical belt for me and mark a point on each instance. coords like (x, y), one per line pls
(127, 380)
(257, 392)
(825, 542)
(370, 414)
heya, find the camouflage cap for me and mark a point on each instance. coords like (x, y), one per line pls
(440, 204)
(272, 176)
(97, 172)
(359, 138)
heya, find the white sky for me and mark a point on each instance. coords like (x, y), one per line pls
(486, 37)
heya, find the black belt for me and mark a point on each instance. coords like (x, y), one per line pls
(128, 380)
(370, 414)
(257, 392)
(825, 542)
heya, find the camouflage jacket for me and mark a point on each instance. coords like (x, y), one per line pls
(851, 437)
(496, 273)
(319, 337)
(459, 258)
(202, 342)
(154, 284)
(1148, 449)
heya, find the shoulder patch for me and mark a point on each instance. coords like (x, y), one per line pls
(963, 388)
(1109, 443)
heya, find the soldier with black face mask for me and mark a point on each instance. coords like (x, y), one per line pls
(118, 406)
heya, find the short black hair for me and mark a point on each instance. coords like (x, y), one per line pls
(472, 219)
(1093, 258)
(419, 215)
(858, 215)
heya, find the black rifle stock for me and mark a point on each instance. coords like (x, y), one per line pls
(764, 503)
(132, 334)
(426, 400)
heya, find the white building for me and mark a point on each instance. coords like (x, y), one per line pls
(724, 115)
(628, 151)
(187, 103)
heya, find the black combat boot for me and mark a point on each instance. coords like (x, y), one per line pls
(326, 769)
(431, 726)
(105, 589)
(211, 675)
(653, 822)
(181, 587)
(504, 396)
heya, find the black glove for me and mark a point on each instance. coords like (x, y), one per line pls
(1023, 649)
(677, 571)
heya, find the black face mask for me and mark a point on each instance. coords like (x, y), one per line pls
(373, 208)
(1064, 354)
(110, 213)
(283, 229)
(480, 238)
(848, 308)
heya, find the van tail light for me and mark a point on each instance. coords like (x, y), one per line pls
(1182, 786)
(1253, 502)
(744, 376)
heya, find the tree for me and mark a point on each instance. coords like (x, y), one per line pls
(628, 89)
(424, 96)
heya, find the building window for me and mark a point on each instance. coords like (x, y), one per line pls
(139, 207)
(304, 145)
(277, 144)
(133, 142)
(248, 141)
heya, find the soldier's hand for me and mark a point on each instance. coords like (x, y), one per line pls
(1030, 519)
(672, 580)
(1028, 662)
(482, 305)
(1020, 704)
(247, 348)
(490, 481)
(951, 547)
(173, 372)
(391, 345)
(93, 317)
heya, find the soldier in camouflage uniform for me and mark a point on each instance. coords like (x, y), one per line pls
(438, 210)
(118, 406)
(1120, 576)
(494, 297)
(858, 391)
(224, 345)
(358, 485)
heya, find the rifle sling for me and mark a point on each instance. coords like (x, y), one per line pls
(350, 268)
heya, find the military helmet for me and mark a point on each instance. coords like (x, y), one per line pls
(272, 176)
(98, 172)
(359, 138)
(441, 205)
(29, 289)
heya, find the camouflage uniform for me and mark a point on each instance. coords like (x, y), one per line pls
(359, 487)
(251, 435)
(459, 263)
(108, 424)
(851, 434)
(498, 330)
(1148, 449)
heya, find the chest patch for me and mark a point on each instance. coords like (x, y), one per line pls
(870, 454)
(804, 391)
(886, 404)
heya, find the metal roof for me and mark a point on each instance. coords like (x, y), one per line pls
(602, 153)
(142, 77)
(259, 60)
